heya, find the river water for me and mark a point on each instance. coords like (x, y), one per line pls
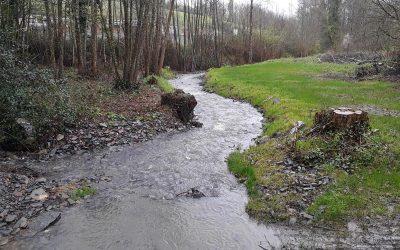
(139, 209)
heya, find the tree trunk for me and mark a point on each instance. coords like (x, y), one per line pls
(251, 32)
(110, 39)
(75, 4)
(50, 34)
(60, 39)
(94, 37)
(166, 37)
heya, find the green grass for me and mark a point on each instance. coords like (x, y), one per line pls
(301, 90)
(167, 73)
(240, 168)
(162, 81)
(363, 194)
(82, 192)
(164, 85)
(290, 90)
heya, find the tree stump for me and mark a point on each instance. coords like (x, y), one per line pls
(343, 119)
(182, 103)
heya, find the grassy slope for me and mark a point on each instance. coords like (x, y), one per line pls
(301, 90)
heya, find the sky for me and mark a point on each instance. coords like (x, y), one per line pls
(287, 7)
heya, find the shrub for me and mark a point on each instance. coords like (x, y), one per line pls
(32, 94)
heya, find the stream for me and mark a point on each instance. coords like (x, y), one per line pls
(139, 208)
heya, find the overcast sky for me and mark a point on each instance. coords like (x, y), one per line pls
(287, 7)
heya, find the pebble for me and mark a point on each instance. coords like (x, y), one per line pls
(64, 196)
(42, 222)
(39, 204)
(10, 218)
(21, 223)
(307, 216)
(103, 125)
(17, 194)
(71, 202)
(4, 213)
(3, 240)
(31, 194)
(39, 194)
(41, 180)
(60, 137)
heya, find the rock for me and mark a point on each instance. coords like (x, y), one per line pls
(105, 178)
(26, 126)
(64, 196)
(353, 227)
(6, 231)
(37, 204)
(297, 126)
(20, 136)
(262, 140)
(71, 202)
(196, 124)
(182, 103)
(103, 125)
(41, 180)
(276, 101)
(10, 218)
(293, 220)
(3, 214)
(193, 193)
(21, 223)
(3, 240)
(307, 216)
(17, 193)
(60, 137)
(39, 194)
(42, 222)
(15, 231)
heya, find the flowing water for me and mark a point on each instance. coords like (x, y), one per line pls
(139, 208)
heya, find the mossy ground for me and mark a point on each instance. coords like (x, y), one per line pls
(290, 90)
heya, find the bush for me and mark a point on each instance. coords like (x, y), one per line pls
(32, 94)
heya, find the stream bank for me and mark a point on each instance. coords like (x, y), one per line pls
(139, 207)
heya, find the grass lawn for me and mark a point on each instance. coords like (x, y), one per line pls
(290, 90)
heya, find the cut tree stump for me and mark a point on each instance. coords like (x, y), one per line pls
(342, 119)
